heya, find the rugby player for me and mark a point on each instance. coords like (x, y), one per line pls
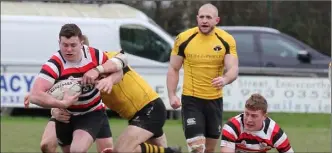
(135, 100)
(49, 142)
(143, 108)
(204, 51)
(75, 60)
(253, 130)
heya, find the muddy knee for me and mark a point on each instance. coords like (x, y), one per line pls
(196, 144)
(77, 149)
(47, 147)
(209, 149)
(121, 149)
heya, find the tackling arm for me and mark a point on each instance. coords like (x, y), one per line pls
(115, 77)
(114, 64)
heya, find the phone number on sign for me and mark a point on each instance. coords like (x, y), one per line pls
(289, 94)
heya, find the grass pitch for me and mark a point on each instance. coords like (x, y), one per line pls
(307, 132)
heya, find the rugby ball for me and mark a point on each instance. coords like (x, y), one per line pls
(57, 90)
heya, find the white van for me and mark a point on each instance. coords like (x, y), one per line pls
(29, 31)
(29, 36)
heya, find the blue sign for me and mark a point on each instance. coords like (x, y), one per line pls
(14, 86)
(12, 83)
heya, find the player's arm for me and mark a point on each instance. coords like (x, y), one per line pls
(115, 77)
(114, 64)
(105, 66)
(227, 145)
(42, 84)
(231, 62)
(173, 74)
(280, 141)
(228, 137)
(107, 83)
(174, 67)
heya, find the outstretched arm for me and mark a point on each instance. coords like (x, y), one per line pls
(114, 64)
(106, 84)
(105, 66)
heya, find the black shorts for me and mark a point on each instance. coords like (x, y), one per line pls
(201, 117)
(95, 123)
(151, 117)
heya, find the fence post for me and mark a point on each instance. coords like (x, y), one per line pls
(269, 10)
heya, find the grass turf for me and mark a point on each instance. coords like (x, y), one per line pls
(307, 132)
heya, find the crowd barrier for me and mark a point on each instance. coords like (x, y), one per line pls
(286, 90)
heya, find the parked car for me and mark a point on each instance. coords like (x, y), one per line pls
(268, 47)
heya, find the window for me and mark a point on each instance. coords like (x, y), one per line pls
(140, 41)
(277, 46)
(244, 42)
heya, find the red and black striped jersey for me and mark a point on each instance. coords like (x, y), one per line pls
(271, 136)
(57, 68)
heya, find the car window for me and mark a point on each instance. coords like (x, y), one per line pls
(278, 46)
(244, 42)
(143, 42)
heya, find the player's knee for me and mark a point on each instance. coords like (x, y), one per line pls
(76, 148)
(47, 147)
(196, 144)
(209, 149)
(122, 148)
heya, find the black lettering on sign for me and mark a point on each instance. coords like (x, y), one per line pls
(326, 94)
(269, 93)
(245, 92)
(313, 94)
(289, 94)
(301, 94)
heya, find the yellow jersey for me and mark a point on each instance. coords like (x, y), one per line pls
(130, 95)
(203, 60)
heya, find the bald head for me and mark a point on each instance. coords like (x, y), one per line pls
(208, 8)
(207, 18)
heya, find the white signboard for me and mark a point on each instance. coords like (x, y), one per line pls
(14, 86)
(284, 94)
